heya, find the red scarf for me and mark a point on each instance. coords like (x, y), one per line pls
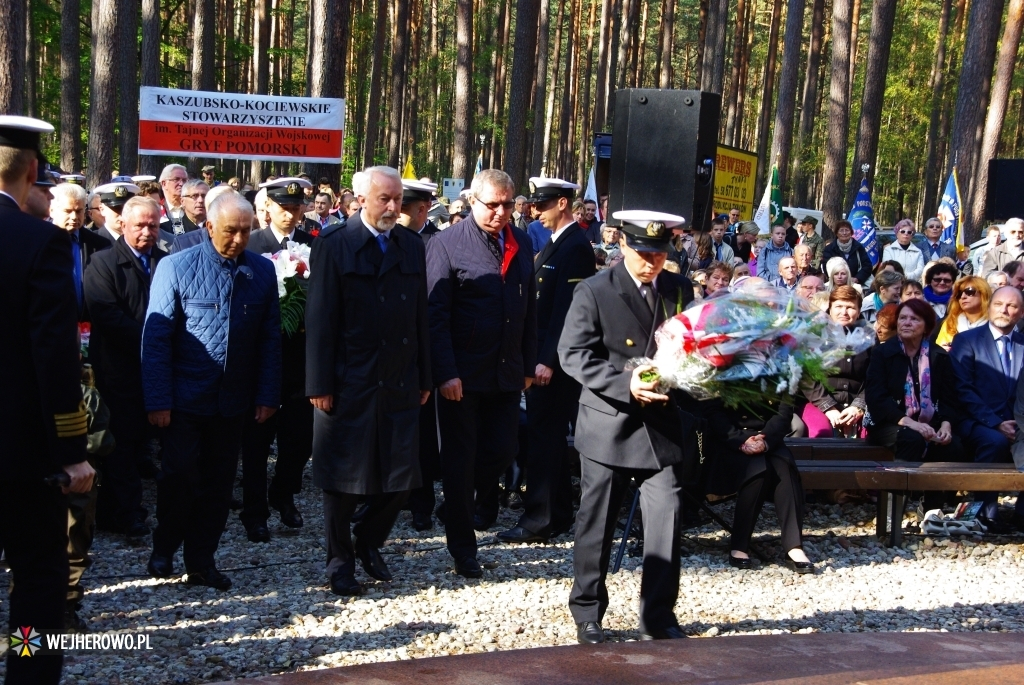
(511, 249)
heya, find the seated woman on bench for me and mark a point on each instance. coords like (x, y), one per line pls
(750, 449)
(911, 391)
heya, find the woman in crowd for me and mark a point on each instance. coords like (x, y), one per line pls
(755, 250)
(939, 279)
(912, 290)
(705, 253)
(851, 251)
(719, 276)
(839, 404)
(904, 251)
(968, 308)
(838, 272)
(885, 322)
(885, 288)
(751, 447)
(911, 390)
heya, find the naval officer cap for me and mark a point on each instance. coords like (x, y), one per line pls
(414, 191)
(647, 231)
(544, 189)
(75, 179)
(114, 195)
(23, 133)
(287, 191)
(143, 179)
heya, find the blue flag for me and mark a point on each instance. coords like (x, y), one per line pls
(949, 213)
(862, 216)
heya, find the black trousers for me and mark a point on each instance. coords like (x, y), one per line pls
(292, 425)
(35, 541)
(421, 499)
(197, 471)
(549, 410)
(478, 442)
(769, 476)
(373, 530)
(120, 498)
(603, 489)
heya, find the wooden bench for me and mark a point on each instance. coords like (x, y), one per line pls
(894, 480)
(836, 449)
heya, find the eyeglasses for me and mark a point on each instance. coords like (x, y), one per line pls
(942, 280)
(933, 226)
(178, 181)
(196, 196)
(908, 232)
(970, 292)
(493, 206)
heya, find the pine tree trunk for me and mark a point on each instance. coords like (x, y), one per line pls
(639, 39)
(931, 167)
(854, 44)
(31, 62)
(260, 68)
(399, 59)
(568, 82)
(883, 16)
(737, 62)
(128, 87)
(996, 112)
(763, 163)
(838, 116)
(549, 111)
(71, 87)
(12, 56)
(601, 95)
(584, 121)
(625, 33)
(972, 98)
(785, 110)
(500, 78)
(462, 158)
(741, 92)
(667, 28)
(807, 107)
(527, 14)
(372, 135)
(102, 95)
(327, 72)
(541, 87)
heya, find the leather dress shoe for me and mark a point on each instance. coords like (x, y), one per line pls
(258, 532)
(801, 567)
(670, 633)
(468, 568)
(589, 633)
(520, 534)
(211, 577)
(160, 566)
(290, 515)
(743, 564)
(345, 584)
(373, 562)
(995, 526)
(422, 521)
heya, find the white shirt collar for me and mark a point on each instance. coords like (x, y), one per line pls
(639, 284)
(290, 236)
(996, 333)
(375, 232)
(559, 232)
(10, 196)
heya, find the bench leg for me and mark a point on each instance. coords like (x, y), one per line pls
(899, 503)
(882, 515)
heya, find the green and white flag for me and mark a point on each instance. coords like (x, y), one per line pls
(769, 212)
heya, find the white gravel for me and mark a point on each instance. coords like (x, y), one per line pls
(280, 615)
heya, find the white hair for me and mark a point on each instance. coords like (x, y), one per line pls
(1019, 223)
(493, 178)
(139, 202)
(260, 201)
(227, 202)
(69, 191)
(361, 181)
(217, 191)
(170, 169)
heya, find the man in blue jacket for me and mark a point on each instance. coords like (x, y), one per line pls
(483, 340)
(211, 347)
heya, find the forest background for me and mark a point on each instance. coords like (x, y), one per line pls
(820, 86)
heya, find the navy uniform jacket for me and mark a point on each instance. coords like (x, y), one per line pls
(42, 416)
(265, 240)
(608, 324)
(483, 322)
(558, 268)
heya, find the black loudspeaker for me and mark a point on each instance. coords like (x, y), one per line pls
(664, 145)
(1005, 196)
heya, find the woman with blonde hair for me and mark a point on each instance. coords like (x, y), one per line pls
(968, 308)
(839, 274)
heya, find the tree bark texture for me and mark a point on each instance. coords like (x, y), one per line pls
(71, 87)
(103, 100)
(260, 67)
(128, 86)
(602, 96)
(763, 163)
(373, 102)
(931, 167)
(808, 107)
(12, 56)
(833, 179)
(462, 158)
(782, 140)
(667, 28)
(527, 12)
(540, 91)
(738, 43)
(399, 59)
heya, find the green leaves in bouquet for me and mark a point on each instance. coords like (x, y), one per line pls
(293, 306)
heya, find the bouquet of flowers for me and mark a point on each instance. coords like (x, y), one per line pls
(749, 347)
(292, 266)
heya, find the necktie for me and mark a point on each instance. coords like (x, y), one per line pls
(144, 258)
(718, 251)
(284, 243)
(1005, 356)
(76, 254)
(382, 240)
(934, 248)
(649, 295)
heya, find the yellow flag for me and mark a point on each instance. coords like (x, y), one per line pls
(409, 172)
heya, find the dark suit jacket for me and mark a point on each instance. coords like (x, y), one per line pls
(986, 394)
(945, 250)
(728, 429)
(117, 294)
(887, 374)
(265, 240)
(608, 324)
(41, 374)
(559, 267)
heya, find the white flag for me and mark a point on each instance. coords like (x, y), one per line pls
(591, 193)
(763, 215)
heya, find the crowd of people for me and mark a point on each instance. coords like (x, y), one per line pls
(465, 351)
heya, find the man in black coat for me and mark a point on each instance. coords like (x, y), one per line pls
(67, 212)
(292, 424)
(367, 373)
(566, 260)
(117, 294)
(626, 428)
(417, 197)
(483, 329)
(42, 415)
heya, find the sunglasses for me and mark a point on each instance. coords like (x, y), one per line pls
(942, 280)
(907, 232)
(508, 206)
(970, 292)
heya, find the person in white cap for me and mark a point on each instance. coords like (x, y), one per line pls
(626, 427)
(42, 416)
(113, 197)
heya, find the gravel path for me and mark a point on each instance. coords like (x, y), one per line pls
(280, 616)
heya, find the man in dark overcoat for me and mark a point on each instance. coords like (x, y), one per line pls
(626, 428)
(367, 373)
(117, 295)
(42, 415)
(566, 260)
(483, 328)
